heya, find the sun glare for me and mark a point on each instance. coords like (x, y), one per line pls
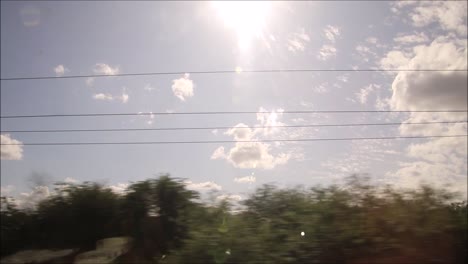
(246, 18)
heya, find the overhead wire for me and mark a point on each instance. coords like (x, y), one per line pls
(225, 141)
(228, 127)
(224, 72)
(231, 113)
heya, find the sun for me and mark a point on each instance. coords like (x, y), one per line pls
(246, 18)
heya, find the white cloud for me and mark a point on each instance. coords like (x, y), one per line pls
(70, 180)
(60, 70)
(229, 197)
(432, 90)
(246, 179)
(412, 174)
(331, 33)
(268, 120)
(412, 38)
(451, 15)
(321, 88)
(102, 68)
(30, 200)
(395, 59)
(202, 186)
(362, 155)
(326, 52)
(438, 161)
(343, 78)
(218, 153)
(10, 152)
(124, 97)
(240, 132)
(6, 190)
(109, 97)
(250, 155)
(253, 154)
(183, 87)
(298, 41)
(364, 93)
(365, 53)
(382, 104)
(103, 97)
(119, 188)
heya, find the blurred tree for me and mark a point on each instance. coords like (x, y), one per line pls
(78, 216)
(156, 213)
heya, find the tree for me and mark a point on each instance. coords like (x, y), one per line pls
(163, 206)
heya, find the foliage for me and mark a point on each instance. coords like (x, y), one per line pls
(354, 223)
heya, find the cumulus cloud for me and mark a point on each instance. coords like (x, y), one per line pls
(443, 160)
(218, 153)
(10, 152)
(250, 155)
(60, 70)
(268, 121)
(102, 68)
(202, 186)
(183, 87)
(298, 41)
(395, 59)
(326, 52)
(432, 90)
(246, 179)
(240, 132)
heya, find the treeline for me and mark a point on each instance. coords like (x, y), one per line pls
(354, 223)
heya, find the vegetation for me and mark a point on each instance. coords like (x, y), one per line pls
(354, 223)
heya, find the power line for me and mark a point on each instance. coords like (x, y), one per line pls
(225, 127)
(223, 141)
(232, 113)
(226, 72)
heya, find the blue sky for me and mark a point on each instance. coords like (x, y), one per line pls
(83, 38)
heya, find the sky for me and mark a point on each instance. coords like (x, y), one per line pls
(109, 38)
